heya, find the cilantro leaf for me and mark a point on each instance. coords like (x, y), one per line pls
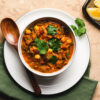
(42, 46)
(53, 59)
(81, 27)
(74, 29)
(79, 22)
(51, 42)
(31, 28)
(37, 41)
(54, 44)
(67, 55)
(81, 31)
(52, 30)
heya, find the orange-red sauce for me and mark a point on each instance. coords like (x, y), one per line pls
(43, 62)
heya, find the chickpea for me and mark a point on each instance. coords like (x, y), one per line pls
(34, 48)
(45, 31)
(69, 41)
(37, 56)
(63, 39)
(49, 50)
(28, 31)
(49, 36)
(36, 27)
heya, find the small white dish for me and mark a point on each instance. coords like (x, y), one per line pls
(63, 81)
(47, 74)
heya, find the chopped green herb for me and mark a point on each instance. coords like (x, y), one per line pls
(31, 28)
(81, 31)
(81, 27)
(37, 41)
(67, 55)
(79, 22)
(74, 29)
(52, 30)
(54, 44)
(42, 46)
(53, 59)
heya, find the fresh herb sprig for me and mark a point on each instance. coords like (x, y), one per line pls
(31, 28)
(51, 30)
(53, 59)
(54, 44)
(81, 27)
(42, 46)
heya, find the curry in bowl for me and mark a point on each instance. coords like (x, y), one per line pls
(47, 45)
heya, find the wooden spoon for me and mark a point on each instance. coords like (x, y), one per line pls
(11, 33)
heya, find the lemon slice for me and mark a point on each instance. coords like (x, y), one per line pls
(94, 13)
(97, 3)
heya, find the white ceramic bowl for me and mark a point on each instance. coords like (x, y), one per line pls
(37, 72)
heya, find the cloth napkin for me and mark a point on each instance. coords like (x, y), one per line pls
(83, 90)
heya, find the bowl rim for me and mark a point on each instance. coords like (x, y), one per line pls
(41, 73)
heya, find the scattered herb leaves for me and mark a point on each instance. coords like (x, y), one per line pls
(81, 31)
(67, 55)
(42, 46)
(74, 29)
(52, 30)
(54, 44)
(31, 28)
(79, 22)
(53, 59)
(81, 27)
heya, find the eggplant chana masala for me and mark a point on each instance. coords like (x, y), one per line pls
(47, 45)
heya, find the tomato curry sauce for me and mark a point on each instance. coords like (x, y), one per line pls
(47, 45)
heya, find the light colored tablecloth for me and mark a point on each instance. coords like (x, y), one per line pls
(16, 8)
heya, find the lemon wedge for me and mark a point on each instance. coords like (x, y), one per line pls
(97, 3)
(94, 13)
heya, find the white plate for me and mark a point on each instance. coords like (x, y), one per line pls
(61, 82)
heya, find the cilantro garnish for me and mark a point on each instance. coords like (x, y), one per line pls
(67, 55)
(74, 29)
(79, 22)
(81, 27)
(52, 30)
(54, 44)
(53, 59)
(81, 31)
(42, 46)
(31, 28)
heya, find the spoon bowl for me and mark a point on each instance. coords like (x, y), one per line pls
(10, 31)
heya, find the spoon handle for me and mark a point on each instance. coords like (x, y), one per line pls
(32, 78)
(34, 82)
